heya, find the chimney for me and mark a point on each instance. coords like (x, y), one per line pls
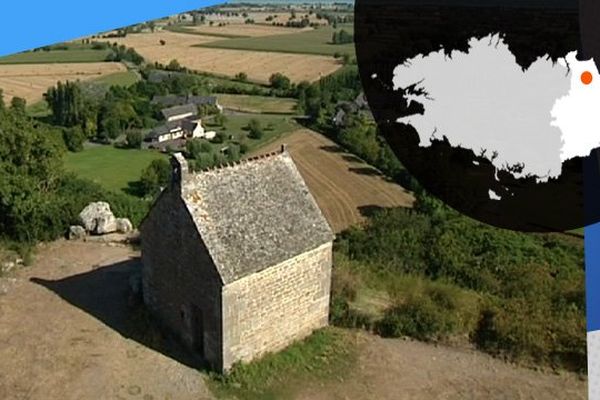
(179, 167)
(284, 148)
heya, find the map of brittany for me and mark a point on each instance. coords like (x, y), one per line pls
(535, 118)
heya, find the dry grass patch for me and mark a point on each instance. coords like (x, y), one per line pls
(31, 81)
(259, 66)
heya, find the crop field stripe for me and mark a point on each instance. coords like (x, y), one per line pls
(199, 33)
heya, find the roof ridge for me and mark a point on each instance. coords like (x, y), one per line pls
(231, 164)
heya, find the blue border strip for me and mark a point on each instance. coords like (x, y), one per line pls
(592, 276)
(25, 25)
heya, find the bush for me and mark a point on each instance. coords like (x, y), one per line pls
(255, 129)
(134, 139)
(280, 81)
(155, 176)
(437, 312)
(74, 138)
(241, 76)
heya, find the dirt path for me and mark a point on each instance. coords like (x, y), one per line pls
(63, 335)
(409, 370)
(66, 332)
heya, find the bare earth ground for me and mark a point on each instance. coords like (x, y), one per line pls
(393, 369)
(71, 348)
(64, 335)
(31, 81)
(343, 185)
(258, 65)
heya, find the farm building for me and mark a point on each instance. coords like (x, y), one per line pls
(174, 100)
(237, 259)
(179, 112)
(183, 128)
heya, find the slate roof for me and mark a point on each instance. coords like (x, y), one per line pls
(163, 129)
(179, 110)
(157, 76)
(254, 214)
(174, 100)
(188, 123)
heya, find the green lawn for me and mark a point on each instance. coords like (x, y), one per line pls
(113, 168)
(56, 56)
(236, 124)
(126, 78)
(257, 104)
(308, 42)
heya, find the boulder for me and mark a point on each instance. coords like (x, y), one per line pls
(124, 225)
(7, 266)
(97, 218)
(76, 232)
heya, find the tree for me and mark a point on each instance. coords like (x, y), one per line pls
(220, 119)
(255, 129)
(155, 176)
(134, 139)
(280, 81)
(74, 138)
(346, 58)
(174, 66)
(241, 76)
(18, 104)
(219, 138)
(2, 105)
(67, 104)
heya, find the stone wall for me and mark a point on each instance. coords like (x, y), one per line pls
(179, 277)
(266, 311)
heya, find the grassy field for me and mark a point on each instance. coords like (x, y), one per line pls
(317, 41)
(257, 104)
(56, 56)
(274, 127)
(125, 78)
(111, 167)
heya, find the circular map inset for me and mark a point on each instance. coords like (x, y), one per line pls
(491, 105)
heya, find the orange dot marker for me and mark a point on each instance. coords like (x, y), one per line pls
(586, 77)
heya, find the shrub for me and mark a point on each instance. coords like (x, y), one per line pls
(134, 139)
(74, 138)
(434, 312)
(256, 131)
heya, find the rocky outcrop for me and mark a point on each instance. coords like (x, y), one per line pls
(77, 232)
(98, 219)
(124, 225)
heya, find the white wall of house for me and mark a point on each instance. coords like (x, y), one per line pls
(180, 116)
(198, 131)
(210, 134)
(164, 138)
(176, 134)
